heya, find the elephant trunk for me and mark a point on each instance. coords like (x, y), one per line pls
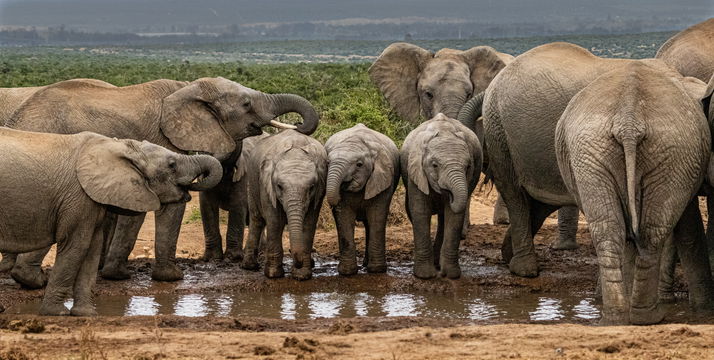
(470, 112)
(202, 172)
(335, 176)
(285, 103)
(459, 193)
(298, 248)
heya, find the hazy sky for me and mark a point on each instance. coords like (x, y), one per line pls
(110, 15)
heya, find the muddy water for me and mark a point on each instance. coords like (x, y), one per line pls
(288, 306)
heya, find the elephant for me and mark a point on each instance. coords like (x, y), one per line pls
(75, 180)
(208, 115)
(635, 175)
(362, 175)
(286, 183)
(521, 108)
(231, 194)
(417, 82)
(441, 162)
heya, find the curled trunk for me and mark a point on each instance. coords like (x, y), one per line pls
(201, 172)
(285, 103)
(470, 112)
(459, 191)
(335, 176)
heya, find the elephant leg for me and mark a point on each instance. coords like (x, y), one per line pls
(376, 238)
(567, 228)
(365, 260)
(439, 238)
(115, 261)
(87, 277)
(710, 231)
(421, 226)
(256, 225)
(28, 269)
(345, 223)
(108, 228)
(274, 249)
(527, 216)
(72, 249)
(668, 262)
(7, 262)
(211, 228)
(467, 220)
(234, 234)
(168, 226)
(500, 212)
(449, 254)
(645, 308)
(690, 240)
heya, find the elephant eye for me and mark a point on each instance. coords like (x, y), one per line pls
(246, 104)
(434, 165)
(429, 95)
(359, 164)
(280, 187)
(172, 165)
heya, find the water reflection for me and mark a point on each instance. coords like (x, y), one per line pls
(142, 305)
(548, 309)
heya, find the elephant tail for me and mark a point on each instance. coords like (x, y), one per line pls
(629, 136)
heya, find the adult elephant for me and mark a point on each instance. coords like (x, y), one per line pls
(419, 84)
(208, 115)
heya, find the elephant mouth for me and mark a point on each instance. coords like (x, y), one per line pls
(449, 196)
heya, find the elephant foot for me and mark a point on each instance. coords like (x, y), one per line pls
(524, 266)
(7, 262)
(303, 273)
(565, 244)
(451, 271)
(115, 271)
(666, 297)
(347, 268)
(234, 255)
(375, 268)
(614, 317)
(29, 276)
(166, 272)
(250, 263)
(425, 271)
(55, 309)
(500, 218)
(647, 316)
(83, 310)
(274, 272)
(506, 251)
(213, 254)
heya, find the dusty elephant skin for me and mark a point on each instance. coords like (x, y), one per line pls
(362, 174)
(287, 185)
(521, 108)
(91, 174)
(231, 194)
(419, 83)
(209, 115)
(440, 162)
(610, 152)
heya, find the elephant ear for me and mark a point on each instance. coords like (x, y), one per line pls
(317, 153)
(110, 171)
(382, 173)
(396, 73)
(485, 63)
(189, 122)
(266, 180)
(707, 101)
(415, 165)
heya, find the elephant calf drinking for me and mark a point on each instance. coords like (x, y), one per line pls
(75, 180)
(440, 161)
(362, 175)
(286, 178)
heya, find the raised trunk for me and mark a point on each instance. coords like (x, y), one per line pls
(459, 192)
(335, 176)
(294, 212)
(200, 172)
(285, 103)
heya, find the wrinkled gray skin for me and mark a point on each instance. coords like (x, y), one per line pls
(231, 194)
(440, 161)
(419, 84)
(286, 187)
(521, 108)
(362, 175)
(91, 174)
(691, 52)
(609, 144)
(209, 115)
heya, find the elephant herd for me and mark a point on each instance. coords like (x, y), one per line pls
(627, 142)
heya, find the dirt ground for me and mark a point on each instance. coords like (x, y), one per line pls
(171, 336)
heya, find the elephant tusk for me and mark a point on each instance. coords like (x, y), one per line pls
(280, 125)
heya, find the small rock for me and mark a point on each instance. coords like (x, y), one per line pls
(263, 350)
(609, 349)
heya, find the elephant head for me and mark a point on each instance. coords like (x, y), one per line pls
(444, 156)
(211, 114)
(358, 160)
(140, 176)
(415, 80)
(294, 178)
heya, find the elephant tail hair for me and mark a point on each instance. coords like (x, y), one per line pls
(629, 140)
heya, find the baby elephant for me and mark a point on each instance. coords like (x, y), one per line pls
(286, 182)
(58, 188)
(633, 148)
(362, 175)
(441, 162)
